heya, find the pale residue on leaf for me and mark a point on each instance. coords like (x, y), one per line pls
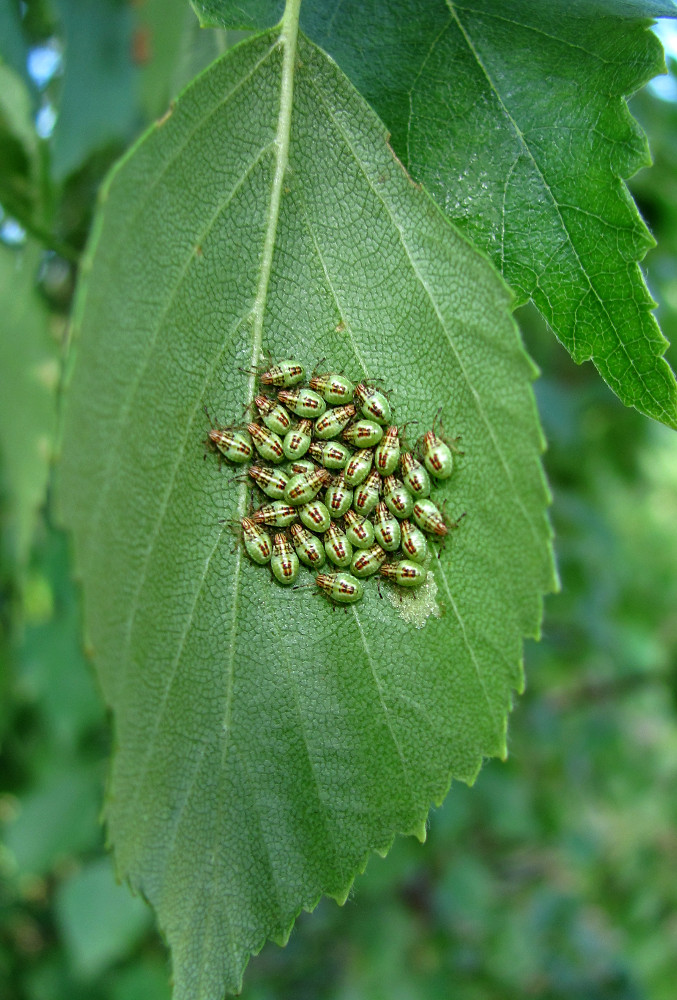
(416, 606)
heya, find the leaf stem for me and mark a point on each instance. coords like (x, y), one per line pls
(288, 37)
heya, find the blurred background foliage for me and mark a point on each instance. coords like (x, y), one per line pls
(556, 875)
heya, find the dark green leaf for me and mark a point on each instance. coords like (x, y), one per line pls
(18, 142)
(16, 119)
(266, 743)
(13, 49)
(263, 14)
(513, 116)
(250, 14)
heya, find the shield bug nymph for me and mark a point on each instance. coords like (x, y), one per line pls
(257, 542)
(414, 544)
(273, 414)
(271, 481)
(297, 441)
(331, 454)
(337, 546)
(343, 588)
(283, 375)
(373, 404)
(436, 452)
(404, 573)
(428, 517)
(314, 515)
(358, 466)
(277, 514)
(386, 528)
(363, 433)
(366, 562)
(303, 402)
(414, 475)
(387, 451)
(367, 493)
(267, 443)
(309, 548)
(335, 389)
(338, 497)
(284, 562)
(333, 422)
(359, 531)
(304, 487)
(398, 499)
(231, 443)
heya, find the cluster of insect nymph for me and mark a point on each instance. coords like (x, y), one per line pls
(327, 456)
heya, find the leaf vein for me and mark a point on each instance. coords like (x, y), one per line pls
(386, 714)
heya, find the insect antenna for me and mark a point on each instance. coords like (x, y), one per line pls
(403, 433)
(320, 362)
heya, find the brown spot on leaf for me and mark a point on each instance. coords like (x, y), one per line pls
(402, 167)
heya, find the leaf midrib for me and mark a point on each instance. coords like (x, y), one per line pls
(288, 40)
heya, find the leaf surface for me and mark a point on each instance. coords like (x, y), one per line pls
(513, 116)
(266, 743)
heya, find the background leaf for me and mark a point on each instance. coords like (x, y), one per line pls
(544, 197)
(253, 771)
(18, 141)
(13, 49)
(29, 366)
(174, 50)
(98, 918)
(96, 108)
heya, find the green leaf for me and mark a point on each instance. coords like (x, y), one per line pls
(161, 25)
(30, 372)
(513, 117)
(175, 51)
(16, 111)
(18, 142)
(51, 672)
(99, 99)
(57, 818)
(13, 48)
(99, 920)
(267, 743)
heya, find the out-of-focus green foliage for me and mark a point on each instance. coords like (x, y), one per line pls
(30, 373)
(554, 877)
